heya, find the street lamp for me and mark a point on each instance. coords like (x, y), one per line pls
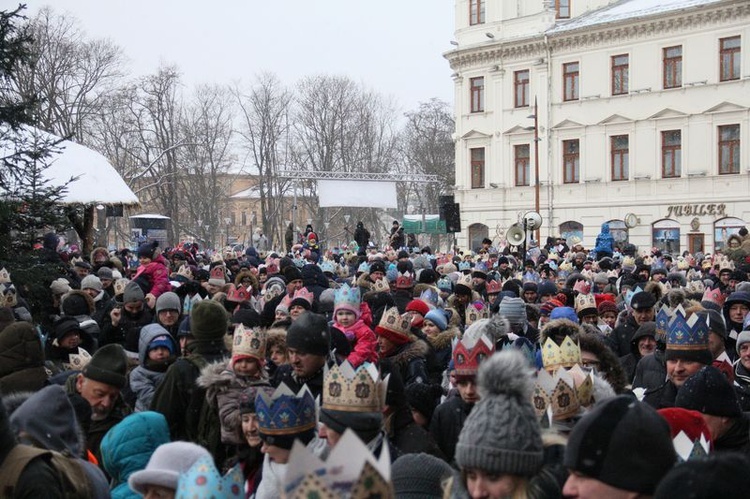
(535, 117)
(227, 220)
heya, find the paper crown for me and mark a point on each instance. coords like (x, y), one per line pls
(566, 267)
(350, 471)
(554, 357)
(347, 296)
(715, 296)
(395, 323)
(612, 273)
(204, 480)
(493, 287)
(687, 333)
(238, 294)
(285, 413)
(562, 394)
(381, 286)
(218, 274)
(662, 318)
(475, 311)
(466, 280)
(582, 286)
(185, 272)
(588, 274)
(725, 263)
(469, 353)
(342, 271)
(430, 296)
(249, 342)
(405, 280)
(327, 266)
(4, 276)
(585, 302)
(526, 349)
(464, 266)
(688, 449)
(628, 262)
(9, 295)
(216, 257)
(120, 285)
(363, 267)
(77, 361)
(304, 294)
(73, 261)
(349, 390)
(695, 287)
(647, 260)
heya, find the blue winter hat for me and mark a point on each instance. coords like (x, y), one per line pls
(161, 341)
(438, 318)
(564, 313)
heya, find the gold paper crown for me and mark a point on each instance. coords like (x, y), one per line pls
(185, 272)
(249, 342)
(395, 322)
(350, 471)
(628, 261)
(554, 357)
(695, 287)
(584, 302)
(381, 286)
(647, 260)
(725, 263)
(4, 276)
(466, 280)
(216, 257)
(564, 393)
(588, 274)
(566, 266)
(8, 295)
(349, 390)
(120, 285)
(475, 313)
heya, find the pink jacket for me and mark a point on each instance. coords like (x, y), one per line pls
(157, 273)
(362, 338)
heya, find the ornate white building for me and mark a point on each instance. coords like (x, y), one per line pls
(643, 119)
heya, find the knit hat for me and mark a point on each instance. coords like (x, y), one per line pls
(623, 443)
(208, 320)
(718, 475)
(161, 341)
(419, 476)
(146, 250)
(60, 286)
(91, 282)
(133, 293)
(564, 313)
(423, 397)
(105, 273)
(309, 334)
(742, 338)
(166, 464)
(546, 288)
(546, 308)
(292, 273)
(501, 434)
(109, 365)
(65, 325)
(709, 392)
(418, 306)
(377, 266)
(513, 309)
(607, 306)
(438, 318)
(692, 425)
(168, 301)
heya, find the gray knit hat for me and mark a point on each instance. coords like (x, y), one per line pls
(513, 309)
(133, 293)
(168, 301)
(91, 282)
(419, 476)
(502, 435)
(743, 338)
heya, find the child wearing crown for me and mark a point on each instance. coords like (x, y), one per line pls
(224, 382)
(354, 319)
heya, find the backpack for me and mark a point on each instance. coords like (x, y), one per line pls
(75, 482)
(209, 424)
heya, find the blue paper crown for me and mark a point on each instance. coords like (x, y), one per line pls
(662, 322)
(284, 412)
(204, 480)
(464, 266)
(687, 333)
(431, 297)
(363, 267)
(327, 267)
(445, 284)
(346, 296)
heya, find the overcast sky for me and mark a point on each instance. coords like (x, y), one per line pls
(393, 46)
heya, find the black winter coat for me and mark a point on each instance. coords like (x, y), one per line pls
(622, 335)
(447, 422)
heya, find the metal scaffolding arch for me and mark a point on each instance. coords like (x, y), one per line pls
(376, 177)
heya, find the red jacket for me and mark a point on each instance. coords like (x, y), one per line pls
(157, 273)
(362, 338)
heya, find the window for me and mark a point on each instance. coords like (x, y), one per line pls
(620, 74)
(570, 81)
(477, 168)
(666, 236)
(571, 161)
(671, 153)
(476, 11)
(477, 94)
(729, 149)
(619, 151)
(729, 57)
(521, 88)
(562, 9)
(673, 67)
(244, 218)
(522, 157)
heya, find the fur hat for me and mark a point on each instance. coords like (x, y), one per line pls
(77, 303)
(208, 320)
(501, 435)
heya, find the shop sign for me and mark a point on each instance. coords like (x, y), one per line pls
(691, 210)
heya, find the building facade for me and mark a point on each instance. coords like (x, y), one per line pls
(642, 119)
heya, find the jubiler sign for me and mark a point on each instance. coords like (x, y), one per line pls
(692, 210)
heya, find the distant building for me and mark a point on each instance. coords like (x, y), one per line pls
(643, 118)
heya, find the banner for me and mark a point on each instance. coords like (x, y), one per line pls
(357, 194)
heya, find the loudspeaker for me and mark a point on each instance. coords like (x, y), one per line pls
(515, 235)
(445, 203)
(452, 214)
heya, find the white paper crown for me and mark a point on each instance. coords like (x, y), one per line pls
(350, 390)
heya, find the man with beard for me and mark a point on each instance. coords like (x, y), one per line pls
(308, 342)
(99, 384)
(125, 322)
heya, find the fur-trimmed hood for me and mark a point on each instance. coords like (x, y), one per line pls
(495, 328)
(559, 328)
(215, 375)
(80, 303)
(409, 351)
(445, 338)
(655, 288)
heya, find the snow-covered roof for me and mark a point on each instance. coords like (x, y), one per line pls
(151, 215)
(628, 9)
(98, 182)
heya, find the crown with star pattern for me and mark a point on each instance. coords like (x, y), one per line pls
(285, 413)
(202, 479)
(351, 471)
(349, 390)
(346, 295)
(555, 356)
(687, 333)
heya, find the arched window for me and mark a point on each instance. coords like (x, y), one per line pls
(477, 232)
(666, 236)
(619, 232)
(570, 230)
(723, 228)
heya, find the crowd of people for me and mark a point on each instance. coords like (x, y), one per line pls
(379, 372)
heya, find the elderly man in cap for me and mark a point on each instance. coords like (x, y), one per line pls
(100, 384)
(621, 449)
(642, 310)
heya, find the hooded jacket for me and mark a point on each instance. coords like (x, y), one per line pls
(21, 359)
(145, 381)
(128, 447)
